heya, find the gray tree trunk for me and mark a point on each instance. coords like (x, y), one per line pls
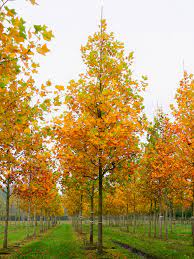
(5, 240)
(92, 216)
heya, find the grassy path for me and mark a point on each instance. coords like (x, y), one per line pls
(63, 242)
(60, 242)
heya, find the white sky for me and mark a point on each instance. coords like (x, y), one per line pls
(160, 32)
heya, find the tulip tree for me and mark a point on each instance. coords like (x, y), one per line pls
(183, 128)
(104, 117)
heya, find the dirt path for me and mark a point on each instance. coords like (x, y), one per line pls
(134, 250)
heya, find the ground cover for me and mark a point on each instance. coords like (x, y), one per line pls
(63, 242)
(17, 232)
(59, 242)
(179, 244)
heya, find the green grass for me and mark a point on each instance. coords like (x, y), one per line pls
(59, 242)
(178, 246)
(63, 242)
(17, 232)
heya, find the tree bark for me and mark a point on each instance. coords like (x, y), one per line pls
(81, 209)
(127, 217)
(5, 241)
(192, 218)
(29, 220)
(150, 221)
(41, 222)
(155, 219)
(35, 223)
(166, 224)
(100, 241)
(92, 216)
(160, 218)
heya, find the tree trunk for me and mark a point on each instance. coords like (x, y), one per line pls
(35, 223)
(81, 208)
(92, 216)
(150, 221)
(160, 218)
(192, 218)
(134, 223)
(41, 222)
(127, 217)
(155, 219)
(29, 220)
(49, 221)
(182, 214)
(7, 216)
(166, 224)
(192, 228)
(100, 242)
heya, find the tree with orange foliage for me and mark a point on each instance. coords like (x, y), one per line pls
(17, 65)
(184, 128)
(104, 117)
(158, 165)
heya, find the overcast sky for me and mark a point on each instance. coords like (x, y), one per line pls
(160, 32)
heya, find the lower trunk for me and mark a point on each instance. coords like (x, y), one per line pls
(7, 216)
(155, 219)
(127, 218)
(182, 214)
(192, 218)
(29, 221)
(166, 224)
(150, 220)
(49, 221)
(81, 209)
(192, 228)
(100, 243)
(160, 218)
(35, 223)
(134, 223)
(45, 222)
(92, 216)
(41, 222)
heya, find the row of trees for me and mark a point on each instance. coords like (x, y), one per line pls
(99, 140)
(26, 166)
(96, 144)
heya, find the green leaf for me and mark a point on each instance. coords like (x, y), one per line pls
(11, 10)
(145, 78)
(38, 28)
(2, 85)
(131, 55)
(67, 98)
(22, 29)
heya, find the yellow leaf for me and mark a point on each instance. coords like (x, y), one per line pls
(42, 94)
(33, 2)
(60, 87)
(43, 87)
(48, 83)
(48, 35)
(42, 50)
(35, 65)
(27, 131)
(12, 55)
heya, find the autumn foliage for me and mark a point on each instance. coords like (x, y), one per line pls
(100, 150)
